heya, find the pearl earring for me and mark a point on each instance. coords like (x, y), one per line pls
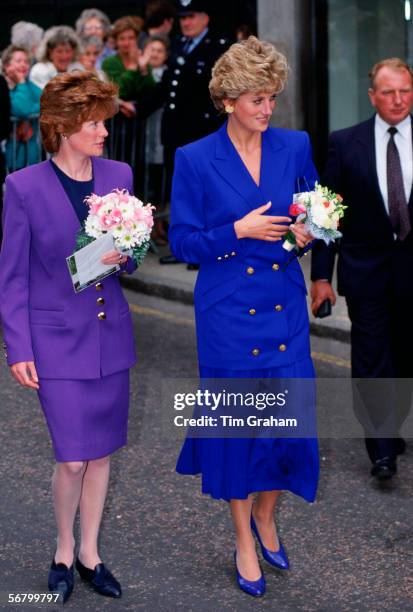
(229, 109)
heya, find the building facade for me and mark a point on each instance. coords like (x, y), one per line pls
(331, 45)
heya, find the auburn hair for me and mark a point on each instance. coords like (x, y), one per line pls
(70, 99)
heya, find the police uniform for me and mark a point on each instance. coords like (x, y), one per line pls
(189, 113)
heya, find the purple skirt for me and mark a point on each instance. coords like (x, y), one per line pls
(87, 419)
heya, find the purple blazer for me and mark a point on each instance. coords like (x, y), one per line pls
(43, 319)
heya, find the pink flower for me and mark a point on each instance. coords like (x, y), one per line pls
(296, 209)
(139, 214)
(95, 206)
(129, 224)
(116, 216)
(123, 197)
(106, 221)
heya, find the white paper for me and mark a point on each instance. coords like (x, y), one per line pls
(85, 266)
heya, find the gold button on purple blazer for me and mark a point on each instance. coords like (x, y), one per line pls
(82, 360)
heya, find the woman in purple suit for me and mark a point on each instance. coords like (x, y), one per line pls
(75, 349)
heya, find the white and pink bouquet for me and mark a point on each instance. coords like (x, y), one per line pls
(125, 216)
(320, 210)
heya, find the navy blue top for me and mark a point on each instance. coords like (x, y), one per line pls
(76, 192)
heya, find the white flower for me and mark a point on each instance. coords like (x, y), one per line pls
(92, 227)
(319, 215)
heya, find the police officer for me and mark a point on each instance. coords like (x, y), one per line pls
(188, 111)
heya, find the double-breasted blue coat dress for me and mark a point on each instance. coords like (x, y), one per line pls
(251, 311)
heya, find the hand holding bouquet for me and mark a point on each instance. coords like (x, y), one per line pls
(125, 216)
(320, 211)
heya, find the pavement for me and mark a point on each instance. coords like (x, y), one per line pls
(175, 282)
(170, 546)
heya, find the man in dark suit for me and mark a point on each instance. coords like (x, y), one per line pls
(371, 166)
(183, 92)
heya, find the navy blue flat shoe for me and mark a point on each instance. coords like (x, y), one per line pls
(61, 580)
(277, 558)
(256, 588)
(100, 579)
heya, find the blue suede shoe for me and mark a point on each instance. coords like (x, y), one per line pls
(277, 558)
(256, 588)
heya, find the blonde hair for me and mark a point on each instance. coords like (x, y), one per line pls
(70, 99)
(251, 65)
(395, 63)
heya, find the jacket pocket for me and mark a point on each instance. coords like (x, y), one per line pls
(55, 318)
(215, 294)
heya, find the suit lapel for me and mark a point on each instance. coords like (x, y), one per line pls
(61, 204)
(367, 151)
(366, 139)
(67, 214)
(410, 203)
(232, 169)
(98, 177)
(274, 161)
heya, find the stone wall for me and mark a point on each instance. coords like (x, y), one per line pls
(282, 23)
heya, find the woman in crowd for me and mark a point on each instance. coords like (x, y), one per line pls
(75, 349)
(27, 35)
(89, 50)
(93, 22)
(57, 53)
(22, 148)
(129, 68)
(157, 47)
(230, 200)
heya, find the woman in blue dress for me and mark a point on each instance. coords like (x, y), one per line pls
(230, 200)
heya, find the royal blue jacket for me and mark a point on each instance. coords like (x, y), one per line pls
(250, 311)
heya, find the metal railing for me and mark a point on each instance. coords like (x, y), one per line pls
(126, 142)
(19, 148)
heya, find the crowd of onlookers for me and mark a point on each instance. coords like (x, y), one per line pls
(127, 52)
(132, 52)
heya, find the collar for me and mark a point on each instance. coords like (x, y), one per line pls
(403, 128)
(195, 41)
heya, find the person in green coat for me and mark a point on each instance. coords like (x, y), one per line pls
(129, 68)
(22, 148)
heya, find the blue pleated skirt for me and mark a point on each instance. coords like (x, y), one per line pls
(233, 468)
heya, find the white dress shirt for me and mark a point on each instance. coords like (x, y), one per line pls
(403, 141)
